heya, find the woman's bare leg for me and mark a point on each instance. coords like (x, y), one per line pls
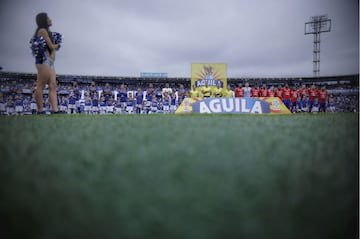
(42, 79)
(52, 91)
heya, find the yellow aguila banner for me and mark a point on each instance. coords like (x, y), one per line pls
(209, 73)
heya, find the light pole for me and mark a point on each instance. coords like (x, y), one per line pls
(317, 25)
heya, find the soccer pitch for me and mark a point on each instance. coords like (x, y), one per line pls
(180, 176)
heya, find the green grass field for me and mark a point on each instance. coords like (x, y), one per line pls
(187, 176)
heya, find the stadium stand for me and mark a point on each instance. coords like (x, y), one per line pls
(127, 95)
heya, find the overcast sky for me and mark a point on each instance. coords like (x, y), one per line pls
(262, 38)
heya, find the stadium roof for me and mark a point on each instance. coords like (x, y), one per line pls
(120, 79)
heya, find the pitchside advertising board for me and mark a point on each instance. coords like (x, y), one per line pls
(261, 105)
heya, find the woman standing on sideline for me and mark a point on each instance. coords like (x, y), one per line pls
(44, 46)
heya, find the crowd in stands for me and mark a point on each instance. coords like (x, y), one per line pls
(17, 97)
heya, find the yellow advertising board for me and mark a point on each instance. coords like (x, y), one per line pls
(210, 73)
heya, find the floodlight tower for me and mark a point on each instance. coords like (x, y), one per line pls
(317, 25)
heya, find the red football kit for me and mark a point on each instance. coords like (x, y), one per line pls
(271, 93)
(313, 93)
(303, 92)
(255, 92)
(264, 92)
(322, 96)
(239, 92)
(286, 93)
(279, 94)
(294, 95)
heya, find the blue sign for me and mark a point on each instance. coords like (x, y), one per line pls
(231, 106)
(153, 74)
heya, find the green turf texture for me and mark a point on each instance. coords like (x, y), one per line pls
(179, 176)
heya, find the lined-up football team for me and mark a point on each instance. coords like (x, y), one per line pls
(97, 99)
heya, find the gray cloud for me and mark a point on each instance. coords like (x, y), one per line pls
(254, 37)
